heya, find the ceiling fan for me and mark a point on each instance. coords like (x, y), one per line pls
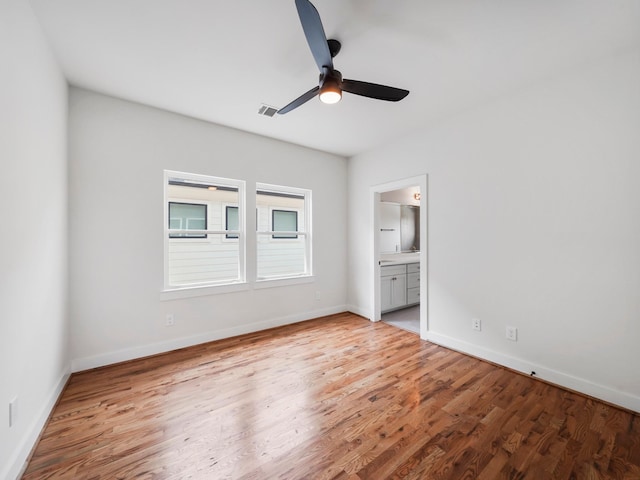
(331, 84)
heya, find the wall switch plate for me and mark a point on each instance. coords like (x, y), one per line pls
(475, 324)
(169, 322)
(13, 411)
(512, 334)
(318, 295)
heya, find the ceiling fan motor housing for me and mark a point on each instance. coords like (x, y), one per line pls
(330, 77)
(334, 46)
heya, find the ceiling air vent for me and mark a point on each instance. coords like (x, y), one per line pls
(267, 111)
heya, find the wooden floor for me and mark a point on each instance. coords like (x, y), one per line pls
(333, 398)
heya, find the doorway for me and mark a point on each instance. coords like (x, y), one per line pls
(393, 251)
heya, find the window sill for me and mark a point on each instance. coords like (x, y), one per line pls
(201, 291)
(282, 282)
(204, 290)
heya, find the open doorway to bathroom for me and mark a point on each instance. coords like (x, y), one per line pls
(399, 257)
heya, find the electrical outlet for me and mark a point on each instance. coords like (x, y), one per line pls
(317, 295)
(13, 411)
(475, 324)
(512, 334)
(169, 322)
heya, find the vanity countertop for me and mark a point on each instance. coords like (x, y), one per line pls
(399, 258)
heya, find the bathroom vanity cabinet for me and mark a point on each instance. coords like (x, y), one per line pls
(399, 285)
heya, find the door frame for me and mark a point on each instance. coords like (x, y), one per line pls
(374, 198)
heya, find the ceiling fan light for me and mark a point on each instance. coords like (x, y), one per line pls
(330, 91)
(330, 95)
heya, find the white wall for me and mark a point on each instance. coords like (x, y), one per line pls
(534, 221)
(118, 151)
(33, 208)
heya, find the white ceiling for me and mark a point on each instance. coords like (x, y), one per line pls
(218, 61)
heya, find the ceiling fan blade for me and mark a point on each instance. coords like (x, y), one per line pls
(313, 30)
(304, 98)
(373, 90)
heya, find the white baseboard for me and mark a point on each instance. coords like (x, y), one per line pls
(363, 312)
(109, 358)
(556, 377)
(17, 462)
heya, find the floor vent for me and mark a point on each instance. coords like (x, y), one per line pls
(267, 111)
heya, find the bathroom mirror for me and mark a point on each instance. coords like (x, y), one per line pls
(399, 218)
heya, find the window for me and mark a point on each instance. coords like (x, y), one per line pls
(283, 255)
(187, 216)
(205, 235)
(284, 221)
(203, 212)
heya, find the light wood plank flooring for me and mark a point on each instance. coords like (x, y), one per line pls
(333, 398)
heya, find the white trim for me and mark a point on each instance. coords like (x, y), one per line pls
(359, 311)
(581, 385)
(376, 302)
(283, 232)
(375, 310)
(18, 461)
(202, 290)
(308, 221)
(109, 358)
(269, 187)
(242, 241)
(283, 281)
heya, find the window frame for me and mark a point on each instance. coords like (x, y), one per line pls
(248, 239)
(306, 194)
(171, 291)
